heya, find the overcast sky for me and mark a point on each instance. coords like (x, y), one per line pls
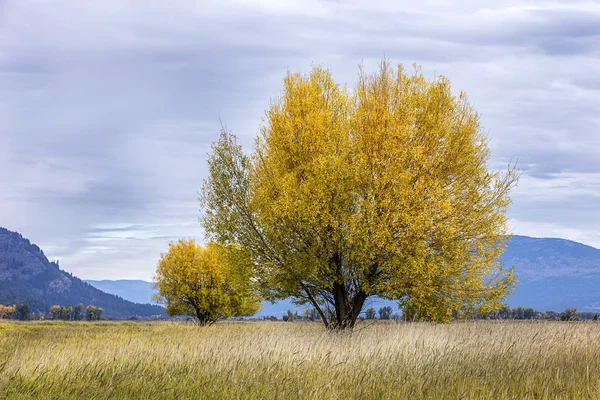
(108, 108)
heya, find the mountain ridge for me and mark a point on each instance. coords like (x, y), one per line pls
(553, 274)
(136, 290)
(27, 276)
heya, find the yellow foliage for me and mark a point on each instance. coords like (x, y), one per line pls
(206, 282)
(380, 190)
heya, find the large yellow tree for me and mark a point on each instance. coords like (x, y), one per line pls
(206, 282)
(379, 190)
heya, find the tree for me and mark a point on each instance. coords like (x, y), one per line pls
(66, 313)
(291, 315)
(370, 313)
(519, 312)
(529, 313)
(310, 314)
(22, 313)
(78, 312)
(6, 312)
(206, 282)
(55, 312)
(306, 315)
(381, 190)
(504, 312)
(570, 314)
(93, 313)
(385, 312)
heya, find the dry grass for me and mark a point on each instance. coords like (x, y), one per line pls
(478, 360)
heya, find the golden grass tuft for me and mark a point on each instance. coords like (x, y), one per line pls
(275, 360)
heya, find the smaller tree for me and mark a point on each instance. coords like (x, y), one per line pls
(206, 282)
(370, 313)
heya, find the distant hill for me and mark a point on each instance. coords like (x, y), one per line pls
(553, 274)
(26, 276)
(133, 290)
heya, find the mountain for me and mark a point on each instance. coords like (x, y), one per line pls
(26, 276)
(133, 290)
(552, 274)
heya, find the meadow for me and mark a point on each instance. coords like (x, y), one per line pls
(299, 360)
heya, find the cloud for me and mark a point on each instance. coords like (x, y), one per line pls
(107, 110)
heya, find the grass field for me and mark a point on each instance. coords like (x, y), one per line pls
(276, 360)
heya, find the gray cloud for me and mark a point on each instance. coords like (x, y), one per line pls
(107, 110)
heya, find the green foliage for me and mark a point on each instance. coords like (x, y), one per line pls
(370, 313)
(22, 313)
(385, 312)
(569, 314)
(522, 313)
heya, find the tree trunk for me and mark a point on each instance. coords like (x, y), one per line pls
(340, 304)
(347, 309)
(202, 318)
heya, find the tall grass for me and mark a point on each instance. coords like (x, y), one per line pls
(275, 360)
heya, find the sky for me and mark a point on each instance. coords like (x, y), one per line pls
(108, 109)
